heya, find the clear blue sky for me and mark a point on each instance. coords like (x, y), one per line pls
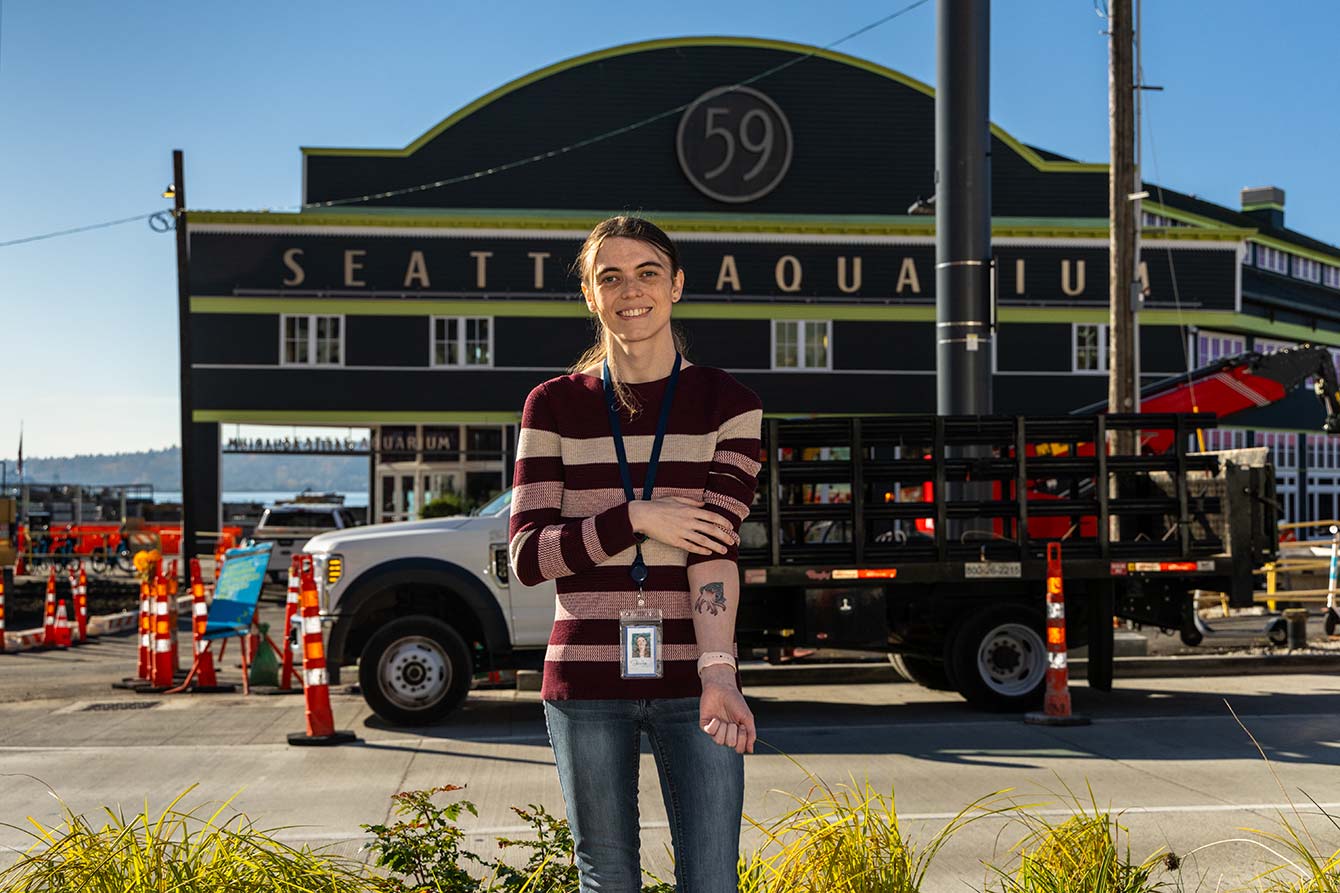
(94, 96)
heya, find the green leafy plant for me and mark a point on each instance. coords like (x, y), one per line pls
(447, 503)
(551, 867)
(424, 847)
(176, 850)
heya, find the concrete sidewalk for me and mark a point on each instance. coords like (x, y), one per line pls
(1167, 750)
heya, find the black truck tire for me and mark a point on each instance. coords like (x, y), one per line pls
(998, 658)
(415, 670)
(924, 671)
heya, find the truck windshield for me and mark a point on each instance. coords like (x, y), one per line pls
(499, 504)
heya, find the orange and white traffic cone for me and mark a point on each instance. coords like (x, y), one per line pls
(316, 682)
(199, 623)
(49, 613)
(144, 662)
(1056, 704)
(201, 678)
(162, 675)
(146, 654)
(290, 611)
(72, 576)
(6, 584)
(81, 604)
(174, 621)
(64, 638)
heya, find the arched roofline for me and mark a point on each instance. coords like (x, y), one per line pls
(1028, 154)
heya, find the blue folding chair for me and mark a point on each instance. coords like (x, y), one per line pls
(232, 612)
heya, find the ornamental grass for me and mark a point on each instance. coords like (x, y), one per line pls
(175, 851)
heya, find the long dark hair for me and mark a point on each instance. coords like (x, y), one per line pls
(620, 227)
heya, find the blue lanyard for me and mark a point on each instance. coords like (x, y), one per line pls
(639, 568)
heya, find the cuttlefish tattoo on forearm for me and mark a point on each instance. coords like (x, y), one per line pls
(711, 598)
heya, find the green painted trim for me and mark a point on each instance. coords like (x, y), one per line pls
(783, 224)
(1208, 319)
(346, 416)
(1194, 219)
(1280, 244)
(1023, 151)
(1263, 206)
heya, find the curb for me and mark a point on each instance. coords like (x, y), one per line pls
(98, 625)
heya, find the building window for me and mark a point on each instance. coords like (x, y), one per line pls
(462, 341)
(802, 344)
(1148, 219)
(1211, 346)
(1090, 347)
(1330, 276)
(1272, 259)
(1306, 268)
(312, 340)
(1247, 253)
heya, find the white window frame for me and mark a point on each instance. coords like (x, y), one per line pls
(311, 339)
(1272, 259)
(1305, 268)
(460, 342)
(800, 346)
(1247, 254)
(1102, 348)
(1209, 342)
(1330, 276)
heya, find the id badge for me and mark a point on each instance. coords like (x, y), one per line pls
(640, 644)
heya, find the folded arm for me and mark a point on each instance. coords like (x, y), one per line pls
(542, 545)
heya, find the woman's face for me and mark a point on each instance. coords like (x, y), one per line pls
(632, 289)
(641, 646)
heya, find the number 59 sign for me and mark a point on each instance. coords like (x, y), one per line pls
(734, 144)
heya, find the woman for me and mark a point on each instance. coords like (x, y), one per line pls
(633, 474)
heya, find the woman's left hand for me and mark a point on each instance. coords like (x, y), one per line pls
(722, 711)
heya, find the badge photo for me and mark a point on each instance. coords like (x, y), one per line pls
(641, 645)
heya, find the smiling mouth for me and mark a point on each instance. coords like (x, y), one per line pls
(634, 312)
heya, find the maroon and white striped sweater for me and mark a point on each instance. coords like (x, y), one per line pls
(570, 518)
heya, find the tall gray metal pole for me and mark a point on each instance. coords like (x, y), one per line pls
(190, 512)
(963, 317)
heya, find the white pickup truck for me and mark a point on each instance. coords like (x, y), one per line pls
(424, 606)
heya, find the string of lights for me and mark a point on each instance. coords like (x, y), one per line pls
(162, 221)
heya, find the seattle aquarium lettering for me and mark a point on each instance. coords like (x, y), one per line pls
(513, 269)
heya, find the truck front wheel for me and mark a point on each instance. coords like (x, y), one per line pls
(999, 658)
(414, 671)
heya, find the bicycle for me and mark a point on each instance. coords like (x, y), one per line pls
(104, 560)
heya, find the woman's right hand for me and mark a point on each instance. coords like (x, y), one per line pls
(679, 522)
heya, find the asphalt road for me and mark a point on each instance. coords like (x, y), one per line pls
(1165, 752)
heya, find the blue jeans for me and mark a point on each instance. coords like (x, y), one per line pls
(596, 746)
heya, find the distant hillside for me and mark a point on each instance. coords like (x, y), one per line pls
(162, 468)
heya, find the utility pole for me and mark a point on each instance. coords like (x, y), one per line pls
(1122, 388)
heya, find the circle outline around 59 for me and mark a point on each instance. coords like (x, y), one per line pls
(740, 132)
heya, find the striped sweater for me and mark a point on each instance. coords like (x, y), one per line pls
(570, 518)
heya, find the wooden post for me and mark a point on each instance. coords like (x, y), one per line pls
(1122, 385)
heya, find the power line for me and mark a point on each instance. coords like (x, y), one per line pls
(165, 219)
(91, 226)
